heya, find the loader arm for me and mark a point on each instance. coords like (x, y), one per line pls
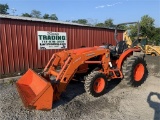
(73, 61)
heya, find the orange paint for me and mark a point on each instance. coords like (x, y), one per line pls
(35, 91)
(138, 72)
(124, 55)
(99, 85)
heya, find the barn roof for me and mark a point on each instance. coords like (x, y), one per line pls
(44, 20)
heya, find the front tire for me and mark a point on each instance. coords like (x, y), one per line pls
(96, 83)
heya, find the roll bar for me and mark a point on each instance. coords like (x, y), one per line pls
(116, 27)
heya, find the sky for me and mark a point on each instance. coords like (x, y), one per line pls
(94, 11)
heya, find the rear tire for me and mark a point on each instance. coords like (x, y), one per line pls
(96, 83)
(134, 70)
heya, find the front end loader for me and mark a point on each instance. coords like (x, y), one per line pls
(95, 65)
(39, 91)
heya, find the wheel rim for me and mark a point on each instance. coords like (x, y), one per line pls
(153, 55)
(99, 85)
(138, 72)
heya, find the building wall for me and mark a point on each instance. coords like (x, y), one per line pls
(19, 48)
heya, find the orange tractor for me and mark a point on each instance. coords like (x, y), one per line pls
(97, 64)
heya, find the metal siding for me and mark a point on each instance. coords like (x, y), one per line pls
(1, 67)
(19, 49)
(4, 51)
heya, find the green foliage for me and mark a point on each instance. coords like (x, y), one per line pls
(123, 27)
(147, 26)
(147, 29)
(36, 14)
(133, 31)
(46, 16)
(156, 37)
(100, 25)
(26, 15)
(4, 8)
(109, 23)
(53, 17)
(50, 17)
(81, 21)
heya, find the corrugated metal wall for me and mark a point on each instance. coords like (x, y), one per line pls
(19, 48)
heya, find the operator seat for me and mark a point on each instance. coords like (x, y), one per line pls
(115, 51)
(121, 47)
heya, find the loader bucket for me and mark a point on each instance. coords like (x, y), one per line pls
(35, 91)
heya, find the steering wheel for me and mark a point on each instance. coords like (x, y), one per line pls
(107, 45)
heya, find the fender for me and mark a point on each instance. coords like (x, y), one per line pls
(124, 55)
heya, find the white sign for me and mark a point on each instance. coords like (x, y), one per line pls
(52, 40)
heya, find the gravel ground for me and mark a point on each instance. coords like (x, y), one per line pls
(153, 64)
(119, 102)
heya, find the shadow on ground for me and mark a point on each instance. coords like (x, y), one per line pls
(152, 101)
(76, 88)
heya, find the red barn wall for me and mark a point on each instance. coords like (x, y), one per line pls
(19, 47)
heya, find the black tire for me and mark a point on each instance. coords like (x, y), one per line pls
(90, 82)
(129, 68)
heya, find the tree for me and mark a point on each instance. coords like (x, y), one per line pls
(50, 17)
(46, 16)
(122, 27)
(26, 15)
(81, 21)
(109, 23)
(35, 13)
(147, 28)
(4, 8)
(133, 31)
(53, 17)
(156, 37)
(100, 25)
